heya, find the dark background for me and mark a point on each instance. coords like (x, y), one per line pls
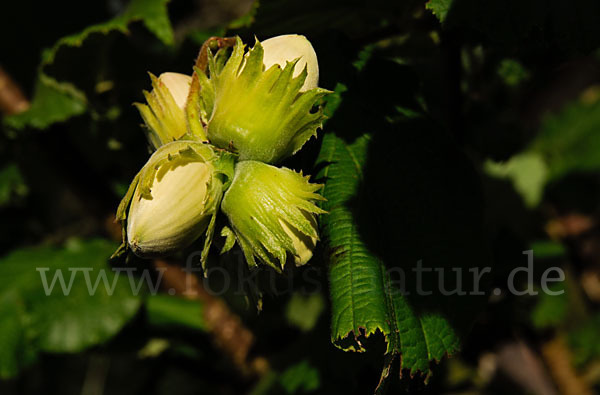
(494, 80)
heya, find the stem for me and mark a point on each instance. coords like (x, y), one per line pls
(211, 44)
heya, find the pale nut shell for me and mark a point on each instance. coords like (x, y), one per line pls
(179, 86)
(175, 216)
(286, 48)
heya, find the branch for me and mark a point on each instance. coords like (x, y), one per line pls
(226, 329)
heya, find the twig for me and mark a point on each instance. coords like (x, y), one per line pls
(12, 99)
(570, 225)
(559, 361)
(227, 330)
(518, 361)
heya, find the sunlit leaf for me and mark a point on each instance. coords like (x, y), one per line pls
(568, 142)
(439, 8)
(396, 197)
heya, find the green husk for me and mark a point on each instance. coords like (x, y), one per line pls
(259, 198)
(259, 114)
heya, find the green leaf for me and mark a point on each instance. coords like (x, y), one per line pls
(12, 185)
(52, 102)
(398, 194)
(354, 307)
(439, 8)
(304, 311)
(154, 348)
(247, 19)
(16, 349)
(548, 249)
(364, 296)
(89, 306)
(568, 142)
(528, 173)
(584, 341)
(300, 378)
(55, 101)
(551, 310)
(164, 310)
(153, 13)
(563, 306)
(513, 72)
